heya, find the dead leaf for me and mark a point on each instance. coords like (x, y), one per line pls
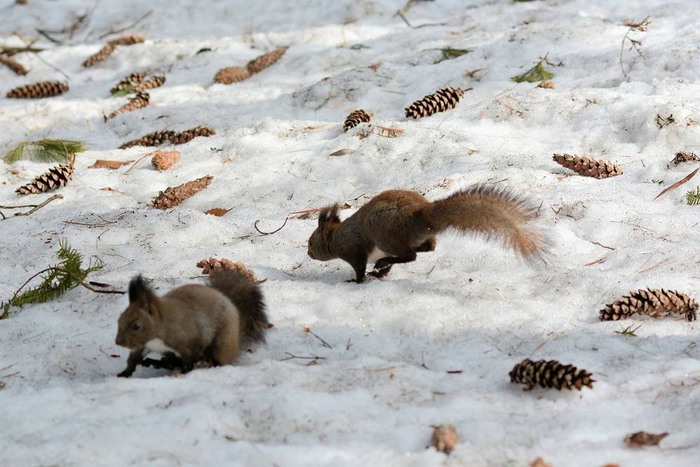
(107, 188)
(679, 182)
(218, 212)
(341, 152)
(106, 164)
(642, 438)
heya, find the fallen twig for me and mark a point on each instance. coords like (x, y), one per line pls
(255, 224)
(323, 342)
(35, 207)
(117, 31)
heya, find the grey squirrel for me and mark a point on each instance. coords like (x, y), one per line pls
(193, 322)
(396, 224)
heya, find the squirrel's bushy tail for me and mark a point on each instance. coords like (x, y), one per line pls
(493, 212)
(248, 299)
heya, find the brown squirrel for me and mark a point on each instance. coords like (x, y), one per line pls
(396, 224)
(193, 322)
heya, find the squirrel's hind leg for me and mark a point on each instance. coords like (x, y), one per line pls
(383, 265)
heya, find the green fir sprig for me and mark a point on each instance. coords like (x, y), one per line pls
(56, 280)
(693, 196)
(536, 73)
(45, 150)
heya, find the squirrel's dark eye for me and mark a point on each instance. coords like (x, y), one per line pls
(135, 326)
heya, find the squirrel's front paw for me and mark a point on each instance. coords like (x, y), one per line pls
(125, 374)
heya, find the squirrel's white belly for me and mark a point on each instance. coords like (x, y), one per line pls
(157, 345)
(376, 254)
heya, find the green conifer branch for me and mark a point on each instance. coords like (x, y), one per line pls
(56, 280)
(45, 150)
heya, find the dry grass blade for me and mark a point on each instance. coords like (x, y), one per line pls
(678, 183)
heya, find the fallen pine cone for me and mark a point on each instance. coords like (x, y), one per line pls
(107, 50)
(444, 438)
(163, 160)
(232, 74)
(38, 90)
(151, 83)
(128, 83)
(549, 374)
(355, 118)
(55, 178)
(650, 302)
(188, 135)
(137, 102)
(444, 99)
(151, 139)
(588, 167)
(642, 438)
(173, 196)
(13, 65)
(265, 60)
(212, 265)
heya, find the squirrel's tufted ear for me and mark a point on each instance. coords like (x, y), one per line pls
(328, 216)
(139, 290)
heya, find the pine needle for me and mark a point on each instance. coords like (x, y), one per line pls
(56, 280)
(45, 150)
(536, 73)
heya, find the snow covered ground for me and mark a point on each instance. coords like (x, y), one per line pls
(432, 343)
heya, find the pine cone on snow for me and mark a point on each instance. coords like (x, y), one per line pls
(130, 39)
(107, 50)
(444, 99)
(355, 118)
(212, 265)
(260, 63)
(137, 102)
(183, 137)
(153, 82)
(549, 374)
(173, 196)
(129, 83)
(163, 160)
(55, 178)
(99, 56)
(232, 74)
(588, 167)
(38, 90)
(151, 139)
(13, 64)
(650, 302)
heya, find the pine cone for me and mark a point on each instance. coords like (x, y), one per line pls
(13, 64)
(55, 178)
(163, 160)
(650, 302)
(444, 99)
(588, 167)
(151, 83)
(549, 374)
(231, 74)
(212, 265)
(128, 83)
(684, 157)
(355, 118)
(38, 90)
(151, 139)
(131, 39)
(260, 63)
(137, 102)
(99, 56)
(173, 196)
(107, 50)
(188, 135)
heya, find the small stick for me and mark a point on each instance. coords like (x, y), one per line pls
(116, 31)
(292, 356)
(255, 224)
(34, 209)
(323, 343)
